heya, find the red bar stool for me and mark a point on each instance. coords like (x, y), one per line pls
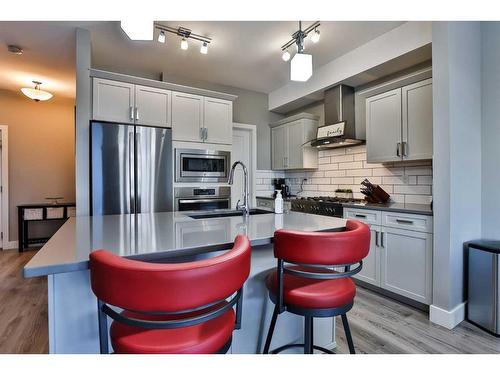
(309, 286)
(170, 308)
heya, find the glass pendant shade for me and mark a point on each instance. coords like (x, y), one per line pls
(35, 93)
(301, 67)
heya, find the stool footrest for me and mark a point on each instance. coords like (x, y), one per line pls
(285, 347)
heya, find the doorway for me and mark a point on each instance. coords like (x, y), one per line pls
(245, 150)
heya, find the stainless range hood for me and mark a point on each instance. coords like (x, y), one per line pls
(339, 130)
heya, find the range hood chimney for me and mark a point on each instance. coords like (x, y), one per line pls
(339, 130)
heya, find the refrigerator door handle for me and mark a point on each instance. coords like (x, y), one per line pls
(138, 174)
(131, 172)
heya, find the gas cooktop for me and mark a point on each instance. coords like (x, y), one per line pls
(327, 206)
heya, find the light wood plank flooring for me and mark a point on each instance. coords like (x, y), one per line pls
(378, 324)
(23, 306)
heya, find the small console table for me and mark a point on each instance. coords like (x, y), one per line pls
(27, 213)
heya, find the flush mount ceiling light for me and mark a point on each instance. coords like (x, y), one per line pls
(301, 64)
(36, 93)
(138, 29)
(15, 49)
(185, 34)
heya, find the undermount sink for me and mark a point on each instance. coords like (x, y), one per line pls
(208, 215)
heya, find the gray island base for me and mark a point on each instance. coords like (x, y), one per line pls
(173, 237)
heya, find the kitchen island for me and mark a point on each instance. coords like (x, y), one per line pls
(166, 237)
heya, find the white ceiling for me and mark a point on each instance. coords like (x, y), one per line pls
(242, 54)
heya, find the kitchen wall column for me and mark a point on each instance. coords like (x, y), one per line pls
(456, 67)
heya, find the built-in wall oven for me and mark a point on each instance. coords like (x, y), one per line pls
(196, 165)
(202, 198)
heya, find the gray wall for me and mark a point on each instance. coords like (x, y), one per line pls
(249, 108)
(456, 58)
(490, 129)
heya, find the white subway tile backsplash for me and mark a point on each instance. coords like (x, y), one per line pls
(345, 168)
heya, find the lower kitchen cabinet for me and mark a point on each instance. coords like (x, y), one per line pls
(370, 273)
(406, 263)
(399, 260)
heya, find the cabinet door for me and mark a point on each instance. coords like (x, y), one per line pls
(113, 101)
(153, 106)
(383, 126)
(406, 263)
(417, 120)
(295, 145)
(279, 137)
(370, 272)
(218, 120)
(187, 117)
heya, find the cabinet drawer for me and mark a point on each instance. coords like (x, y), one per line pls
(420, 223)
(366, 216)
(33, 214)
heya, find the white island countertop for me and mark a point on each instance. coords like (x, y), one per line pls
(161, 235)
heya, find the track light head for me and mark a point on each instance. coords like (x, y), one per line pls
(315, 36)
(285, 56)
(184, 44)
(162, 37)
(204, 48)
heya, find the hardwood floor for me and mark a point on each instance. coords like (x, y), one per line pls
(381, 325)
(378, 324)
(23, 306)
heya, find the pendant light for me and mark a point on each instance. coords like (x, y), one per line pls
(36, 93)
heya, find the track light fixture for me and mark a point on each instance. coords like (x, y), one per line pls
(185, 34)
(301, 64)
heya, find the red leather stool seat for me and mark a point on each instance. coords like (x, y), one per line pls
(208, 337)
(312, 293)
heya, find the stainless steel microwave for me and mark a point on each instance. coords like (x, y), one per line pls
(194, 165)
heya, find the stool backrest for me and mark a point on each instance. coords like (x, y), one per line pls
(324, 248)
(141, 286)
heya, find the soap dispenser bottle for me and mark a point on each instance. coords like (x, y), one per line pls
(278, 203)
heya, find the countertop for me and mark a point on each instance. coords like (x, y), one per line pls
(161, 235)
(409, 208)
(271, 198)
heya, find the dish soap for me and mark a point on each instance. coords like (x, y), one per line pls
(278, 203)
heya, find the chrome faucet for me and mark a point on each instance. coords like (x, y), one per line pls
(245, 206)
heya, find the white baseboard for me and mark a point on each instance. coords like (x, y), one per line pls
(445, 318)
(10, 245)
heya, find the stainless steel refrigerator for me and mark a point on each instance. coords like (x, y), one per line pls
(131, 169)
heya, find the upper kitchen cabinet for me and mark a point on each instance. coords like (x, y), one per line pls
(290, 139)
(187, 117)
(124, 102)
(218, 120)
(201, 119)
(383, 126)
(417, 120)
(113, 101)
(399, 124)
(153, 106)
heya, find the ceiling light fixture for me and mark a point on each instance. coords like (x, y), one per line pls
(315, 36)
(204, 48)
(162, 37)
(15, 49)
(36, 93)
(137, 29)
(301, 64)
(285, 56)
(185, 34)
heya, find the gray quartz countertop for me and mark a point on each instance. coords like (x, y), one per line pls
(409, 208)
(160, 235)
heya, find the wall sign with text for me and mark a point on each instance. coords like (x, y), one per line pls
(335, 130)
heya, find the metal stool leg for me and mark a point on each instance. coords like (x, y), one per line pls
(271, 330)
(347, 331)
(308, 335)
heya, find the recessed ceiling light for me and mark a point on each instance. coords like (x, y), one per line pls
(15, 49)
